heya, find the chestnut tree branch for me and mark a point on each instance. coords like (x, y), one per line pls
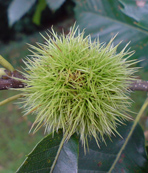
(7, 81)
(139, 85)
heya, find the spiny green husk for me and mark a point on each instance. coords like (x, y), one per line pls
(78, 85)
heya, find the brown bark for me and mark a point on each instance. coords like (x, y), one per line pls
(8, 81)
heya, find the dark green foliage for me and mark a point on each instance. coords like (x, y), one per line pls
(133, 158)
(137, 10)
(105, 18)
(43, 155)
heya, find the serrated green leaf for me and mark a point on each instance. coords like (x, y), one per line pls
(132, 159)
(42, 157)
(55, 4)
(104, 19)
(17, 9)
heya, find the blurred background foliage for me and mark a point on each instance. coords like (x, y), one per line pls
(19, 17)
(21, 22)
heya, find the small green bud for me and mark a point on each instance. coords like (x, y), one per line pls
(78, 85)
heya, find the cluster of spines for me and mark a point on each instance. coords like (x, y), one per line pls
(78, 85)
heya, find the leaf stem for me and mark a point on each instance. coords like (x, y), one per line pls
(10, 99)
(130, 133)
(59, 150)
(6, 64)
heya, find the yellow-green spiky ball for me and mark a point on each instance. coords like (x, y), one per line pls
(78, 86)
